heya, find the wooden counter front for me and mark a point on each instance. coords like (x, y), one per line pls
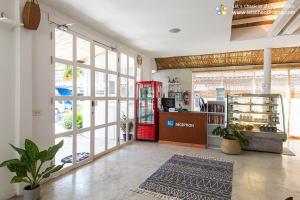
(183, 128)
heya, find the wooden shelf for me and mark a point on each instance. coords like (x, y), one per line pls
(216, 113)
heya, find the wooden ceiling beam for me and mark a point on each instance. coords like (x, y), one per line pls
(242, 58)
(242, 3)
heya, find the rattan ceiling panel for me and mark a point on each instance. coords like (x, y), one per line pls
(242, 58)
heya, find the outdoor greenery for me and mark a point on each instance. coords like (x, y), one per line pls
(28, 167)
(68, 73)
(68, 120)
(231, 133)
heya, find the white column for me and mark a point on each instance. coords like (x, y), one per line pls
(267, 70)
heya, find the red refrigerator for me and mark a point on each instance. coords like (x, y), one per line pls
(148, 102)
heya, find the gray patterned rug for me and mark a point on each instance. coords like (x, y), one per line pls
(190, 178)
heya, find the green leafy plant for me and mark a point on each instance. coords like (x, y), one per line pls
(28, 167)
(231, 133)
(68, 120)
(68, 73)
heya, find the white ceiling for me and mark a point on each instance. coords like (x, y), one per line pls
(144, 25)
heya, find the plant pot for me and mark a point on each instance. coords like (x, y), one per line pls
(129, 137)
(230, 146)
(31, 15)
(32, 194)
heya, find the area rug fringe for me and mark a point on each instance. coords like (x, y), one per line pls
(207, 157)
(154, 194)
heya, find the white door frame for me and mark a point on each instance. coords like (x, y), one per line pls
(92, 98)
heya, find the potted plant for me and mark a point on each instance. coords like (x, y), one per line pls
(124, 126)
(231, 140)
(28, 167)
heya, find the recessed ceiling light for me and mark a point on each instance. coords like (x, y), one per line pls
(175, 30)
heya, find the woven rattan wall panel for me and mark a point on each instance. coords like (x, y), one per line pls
(242, 58)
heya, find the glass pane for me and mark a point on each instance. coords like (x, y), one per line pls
(123, 133)
(100, 57)
(100, 113)
(83, 51)
(63, 116)
(63, 45)
(112, 61)
(146, 114)
(83, 114)
(131, 66)
(123, 87)
(294, 117)
(83, 146)
(138, 76)
(131, 88)
(112, 136)
(83, 82)
(112, 111)
(100, 84)
(64, 155)
(99, 140)
(123, 110)
(112, 85)
(124, 64)
(63, 80)
(131, 109)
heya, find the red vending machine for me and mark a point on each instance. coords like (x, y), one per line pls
(148, 102)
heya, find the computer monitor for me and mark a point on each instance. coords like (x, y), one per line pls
(168, 103)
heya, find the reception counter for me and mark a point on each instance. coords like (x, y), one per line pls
(183, 128)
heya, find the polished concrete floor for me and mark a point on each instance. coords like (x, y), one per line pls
(257, 176)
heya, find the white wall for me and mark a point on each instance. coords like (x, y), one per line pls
(7, 84)
(7, 131)
(184, 75)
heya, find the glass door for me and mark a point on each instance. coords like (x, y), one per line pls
(145, 104)
(127, 91)
(93, 98)
(72, 98)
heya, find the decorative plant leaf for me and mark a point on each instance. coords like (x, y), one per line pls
(20, 151)
(9, 162)
(53, 150)
(43, 155)
(17, 179)
(48, 169)
(32, 150)
(57, 168)
(19, 168)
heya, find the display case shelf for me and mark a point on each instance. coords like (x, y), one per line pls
(253, 104)
(253, 121)
(260, 117)
(253, 112)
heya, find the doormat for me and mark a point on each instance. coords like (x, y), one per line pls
(287, 152)
(190, 178)
(80, 157)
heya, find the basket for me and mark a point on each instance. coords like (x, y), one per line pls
(31, 15)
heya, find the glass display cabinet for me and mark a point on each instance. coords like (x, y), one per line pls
(148, 101)
(260, 117)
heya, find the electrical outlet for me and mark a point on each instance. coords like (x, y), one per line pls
(36, 113)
